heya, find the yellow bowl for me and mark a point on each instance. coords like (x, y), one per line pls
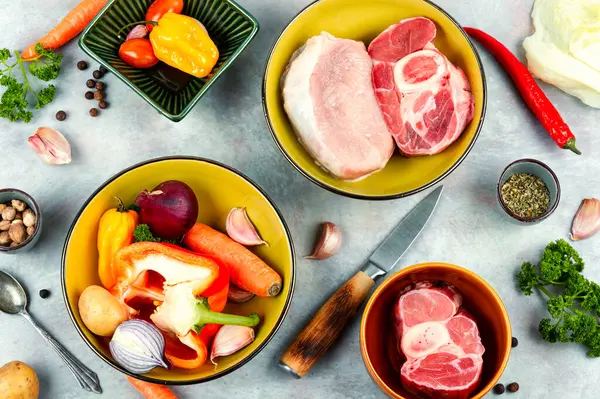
(218, 188)
(364, 20)
(479, 298)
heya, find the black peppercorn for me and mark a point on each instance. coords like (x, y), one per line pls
(99, 86)
(515, 342)
(512, 387)
(94, 112)
(97, 74)
(103, 69)
(82, 65)
(61, 115)
(91, 83)
(103, 104)
(44, 293)
(499, 389)
(99, 95)
(89, 95)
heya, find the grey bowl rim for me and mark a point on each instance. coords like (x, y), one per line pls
(38, 222)
(550, 210)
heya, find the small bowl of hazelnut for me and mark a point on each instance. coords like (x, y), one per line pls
(20, 221)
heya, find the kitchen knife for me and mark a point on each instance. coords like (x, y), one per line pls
(326, 326)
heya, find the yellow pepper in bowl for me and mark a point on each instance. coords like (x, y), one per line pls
(183, 43)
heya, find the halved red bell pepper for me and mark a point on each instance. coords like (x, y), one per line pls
(192, 351)
(135, 267)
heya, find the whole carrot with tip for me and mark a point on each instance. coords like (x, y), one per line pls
(70, 26)
(247, 270)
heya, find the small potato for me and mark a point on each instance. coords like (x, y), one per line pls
(18, 381)
(100, 311)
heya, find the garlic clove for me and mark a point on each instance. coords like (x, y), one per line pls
(138, 32)
(50, 146)
(586, 222)
(230, 339)
(329, 242)
(238, 295)
(240, 228)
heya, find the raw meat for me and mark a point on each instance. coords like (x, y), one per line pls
(329, 98)
(439, 342)
(426, 100)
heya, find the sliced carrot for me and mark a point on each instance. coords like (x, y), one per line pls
(151, 391)
(70, 26)
(248, 271)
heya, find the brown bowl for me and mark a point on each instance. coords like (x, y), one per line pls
(479, 298)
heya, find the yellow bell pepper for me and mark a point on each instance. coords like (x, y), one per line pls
(115, 231)
(181, 42)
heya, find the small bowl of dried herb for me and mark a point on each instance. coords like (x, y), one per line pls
(528, 191)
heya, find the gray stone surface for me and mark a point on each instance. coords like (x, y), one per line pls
(228, 126)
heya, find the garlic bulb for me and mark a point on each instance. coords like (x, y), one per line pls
(138, 346)
(230, 339)
(240, 228)
(329, 242)
(587, 220)
(50, 146)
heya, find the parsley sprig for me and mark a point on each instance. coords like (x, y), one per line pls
(14, 104)
(575, 310)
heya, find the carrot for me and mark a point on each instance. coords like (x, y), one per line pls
(247, 270)
(151, 391)
(69, 27)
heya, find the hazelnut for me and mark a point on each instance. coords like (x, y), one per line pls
(17, 232)
(4, 225)
(9, 213)
(20, 206)
(17, 221)
(29, 218)
(30, 230)
(14, 244)
(4, 238)
(2, 206)
(19, 216)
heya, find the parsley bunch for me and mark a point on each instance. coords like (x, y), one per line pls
(13, 103)
(142, 233)
(575, 309)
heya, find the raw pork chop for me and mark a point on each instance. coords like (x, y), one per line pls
(426, 100)
(439, 340)
(329, 98)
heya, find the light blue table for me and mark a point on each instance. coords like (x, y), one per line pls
(228, 126)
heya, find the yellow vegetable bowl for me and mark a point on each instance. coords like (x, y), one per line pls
(364, 20)
(218, 189)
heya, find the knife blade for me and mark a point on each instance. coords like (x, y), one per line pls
(388, 253)
(329, 322)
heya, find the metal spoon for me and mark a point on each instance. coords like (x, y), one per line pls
(13, 300)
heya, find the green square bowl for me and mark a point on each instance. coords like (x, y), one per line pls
(229, 25)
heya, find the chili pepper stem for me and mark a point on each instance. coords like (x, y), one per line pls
(207, 316)
(134, 24)
(570, 145)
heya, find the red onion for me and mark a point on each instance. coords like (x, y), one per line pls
(138, 346)
(170, 209)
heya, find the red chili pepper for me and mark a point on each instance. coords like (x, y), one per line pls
(533, 95)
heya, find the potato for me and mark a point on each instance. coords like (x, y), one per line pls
(100, 311)
(18, 381)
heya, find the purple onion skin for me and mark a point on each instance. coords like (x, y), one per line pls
(170, 209)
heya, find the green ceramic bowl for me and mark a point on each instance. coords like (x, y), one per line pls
(230, 26)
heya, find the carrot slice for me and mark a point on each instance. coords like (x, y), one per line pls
(151, 391)
(70, 26)
(248, 271)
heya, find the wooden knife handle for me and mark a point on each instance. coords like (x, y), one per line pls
(327, 325)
